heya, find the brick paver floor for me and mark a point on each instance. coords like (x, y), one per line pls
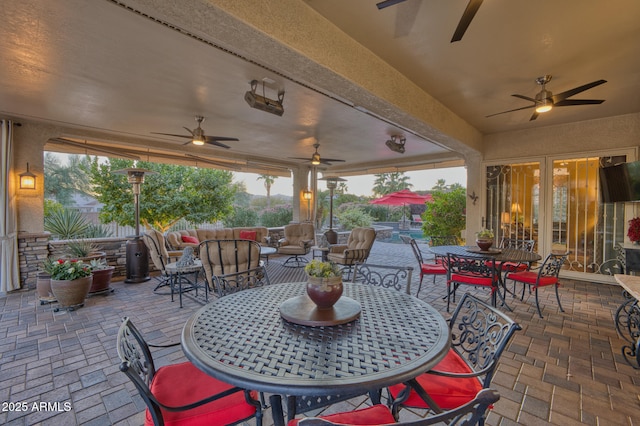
(61, 368)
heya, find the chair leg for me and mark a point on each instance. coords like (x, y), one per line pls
(538, 304)
(420, 285)
(558, 297)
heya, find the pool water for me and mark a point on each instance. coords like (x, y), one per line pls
(395, 238)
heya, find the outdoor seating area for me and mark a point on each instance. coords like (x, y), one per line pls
(566, 368)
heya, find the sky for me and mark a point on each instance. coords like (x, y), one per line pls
(359, 185)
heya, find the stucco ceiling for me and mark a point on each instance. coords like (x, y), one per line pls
(111, 75)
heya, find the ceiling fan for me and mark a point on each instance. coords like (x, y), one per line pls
(463, 24)
(545, 100)
(199, 138)
(316, 159)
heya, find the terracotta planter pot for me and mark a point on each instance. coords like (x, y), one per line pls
(71, 293)
(43, 287)
(484, 244)
(101, 279)
(324, 292)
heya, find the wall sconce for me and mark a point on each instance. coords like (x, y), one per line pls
(307, 195)
(27, 179)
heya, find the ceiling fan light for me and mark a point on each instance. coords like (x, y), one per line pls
(544, 106)
(315, 159)
(198, 140)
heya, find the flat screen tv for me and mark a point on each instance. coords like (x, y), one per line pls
(620, 183)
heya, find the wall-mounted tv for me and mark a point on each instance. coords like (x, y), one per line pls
(620, 183)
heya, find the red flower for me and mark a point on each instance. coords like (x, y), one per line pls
(634, 229)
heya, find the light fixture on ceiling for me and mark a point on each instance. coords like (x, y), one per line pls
(544, 102)
(262, 102)
(27, 179)
(315, 158)
(396, 143)
(198, 133)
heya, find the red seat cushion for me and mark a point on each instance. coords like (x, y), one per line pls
(514, 267)
(432, 269)
(472, 279)
(182, 384)
(531, 277)
(375, 415)
(190, 239)
(248, 235)
(447, 392)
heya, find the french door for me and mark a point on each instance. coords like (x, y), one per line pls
(556, 202)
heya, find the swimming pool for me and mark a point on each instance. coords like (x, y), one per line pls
(395, 237)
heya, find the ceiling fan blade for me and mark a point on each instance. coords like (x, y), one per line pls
(465, 20)
(299, 158)
(171, 134)
(534, 116)
(188, 130)
(511, 110)
(332, 160)
(219, 138)
(387, 3)
(526, 98)
(571, 102)
(216, 143)
(564, 95)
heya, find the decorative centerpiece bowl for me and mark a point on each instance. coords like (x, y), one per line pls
(484, 239)
(324, 284)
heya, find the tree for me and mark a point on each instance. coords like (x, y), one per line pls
(386, 183)
(61, 182)
(174, 192)
(268, 181)
(445, 214)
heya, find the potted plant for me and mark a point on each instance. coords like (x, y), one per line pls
(484, 239)
(102, 273)
(324, 283)
(43, 282)
(70, 282)
(634, 230)
(83, 250)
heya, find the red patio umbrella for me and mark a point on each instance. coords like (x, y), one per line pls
(401, 198)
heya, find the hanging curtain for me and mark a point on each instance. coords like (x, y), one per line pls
(9, 276)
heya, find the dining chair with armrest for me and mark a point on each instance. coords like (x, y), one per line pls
(180, 394)
(232, 265)
(479, 335)
(546, 275)
(385, 276)
(471, 270)
(436, 268)
(467, 414)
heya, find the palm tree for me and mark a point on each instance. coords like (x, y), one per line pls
(386, 183)
(268, 181)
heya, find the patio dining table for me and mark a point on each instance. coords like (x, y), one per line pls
(243, 340)
(498, 254)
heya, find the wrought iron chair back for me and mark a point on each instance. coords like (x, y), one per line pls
(516, 243)
(385, 276)
(138, 365)
(470, 270)
(470, 413)
(232, 265)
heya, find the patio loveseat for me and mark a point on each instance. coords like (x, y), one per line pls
(193, 237)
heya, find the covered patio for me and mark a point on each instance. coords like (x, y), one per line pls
(565, 369)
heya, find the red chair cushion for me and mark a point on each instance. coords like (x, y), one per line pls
(531, 277)
(432, 269)
(248, 235)
(447, 392)
(190, 239)
(471, 279)
(182, 384)
(514, 267)
(375, 415)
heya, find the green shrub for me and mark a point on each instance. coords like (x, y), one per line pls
(276, 216)
(66, 224)
(241, 217)
(354, 218)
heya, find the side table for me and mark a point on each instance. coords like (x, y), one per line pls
(323, 252)
(266, 251)
(179, 274)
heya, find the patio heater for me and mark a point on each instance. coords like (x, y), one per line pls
(137, 254)
(332, 183)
